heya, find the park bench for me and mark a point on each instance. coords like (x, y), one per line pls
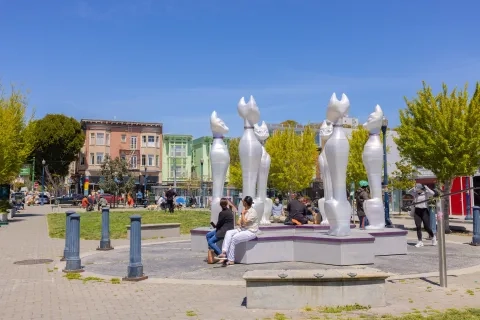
(274, 289)
(158, 230)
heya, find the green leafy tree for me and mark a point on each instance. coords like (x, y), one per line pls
(355, 168)
(289, 123)
(403, 178)
(58, 140)
(16, 132)
(293, 159)
(441, 133)
(235, 170)
(116, 178)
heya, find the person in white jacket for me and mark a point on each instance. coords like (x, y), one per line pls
(421, 214)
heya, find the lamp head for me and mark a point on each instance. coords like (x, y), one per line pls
(201, 161)
(43, 161)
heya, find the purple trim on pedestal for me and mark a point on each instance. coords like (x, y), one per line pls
(323, 238)
(276, 227)
(387, 234)
(274, 238)
(202, 232)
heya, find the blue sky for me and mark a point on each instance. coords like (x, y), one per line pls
(175, 61)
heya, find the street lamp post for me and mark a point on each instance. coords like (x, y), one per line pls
(145, 182)
(175, 173)
(388, 222)
(201, 183)
(43, 181)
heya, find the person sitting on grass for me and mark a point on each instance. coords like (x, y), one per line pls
(225, 223)
(247, 227)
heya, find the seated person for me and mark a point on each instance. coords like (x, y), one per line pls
(102, 203)
(277, 211)
(297, 212)
(225, 223)
(312, 213)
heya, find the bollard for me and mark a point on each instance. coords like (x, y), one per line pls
(433, 220)
(476, 226)
(74, 264)
(135, 267)
(66, 250)
(442, 255)
(105, 241)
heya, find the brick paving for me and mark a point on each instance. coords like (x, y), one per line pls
(38, 292)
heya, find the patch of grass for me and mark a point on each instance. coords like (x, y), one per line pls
(73, 276)
(347, 308)
(94, 279)
(470, 292)
(191, 313)
(308, 308)
(450, 314)
(410, 300)
(91, 222)
(115, 281)
(280, 316)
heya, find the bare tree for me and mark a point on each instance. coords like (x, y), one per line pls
(55, 182)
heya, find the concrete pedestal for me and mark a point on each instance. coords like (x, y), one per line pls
(389, 241)
(295, 289)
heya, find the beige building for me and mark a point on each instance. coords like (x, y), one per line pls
(138, 143)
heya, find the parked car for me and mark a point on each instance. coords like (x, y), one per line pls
(73, 199)
(111, 198)
(45, 197)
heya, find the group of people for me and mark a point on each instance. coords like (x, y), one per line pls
(88, 202)
(246, 229)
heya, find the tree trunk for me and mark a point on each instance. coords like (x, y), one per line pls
(447, 187)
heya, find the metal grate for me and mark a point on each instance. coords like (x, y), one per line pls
(33, 261)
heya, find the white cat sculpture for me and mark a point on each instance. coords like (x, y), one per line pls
(249, 148)
(326, 130)
(338, 209)
(263, 205)
(373, 161)
(220, 160)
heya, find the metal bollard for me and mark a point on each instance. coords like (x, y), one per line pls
(135, 267)
(476, 226)
(74, 264)
(433, 219)
(105, 241)
(442, 255)
(66, 250)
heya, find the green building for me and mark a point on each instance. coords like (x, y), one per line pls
(176, 158)
(201, 150)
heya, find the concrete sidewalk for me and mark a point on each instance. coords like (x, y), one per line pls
(39, 292)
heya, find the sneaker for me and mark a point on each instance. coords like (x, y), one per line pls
(434, 241)
(429, 238)
(419, 244)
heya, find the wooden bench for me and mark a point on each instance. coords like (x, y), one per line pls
(158, 230)
(295, 289)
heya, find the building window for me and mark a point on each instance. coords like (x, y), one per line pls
(178, 150)
(158, 142)
(144, 141)
(133, 143)
(92, 158)
(144, 160)
(82, 159)
(100, 139)
(124, 138)
(150, 160)
(151, 141)
(107, 139)
(157, 158)
(133, 161)
(123, 157)
(179, 171)
(92, 139)
(99, 157)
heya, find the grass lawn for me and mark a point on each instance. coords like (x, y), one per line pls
(91, 222)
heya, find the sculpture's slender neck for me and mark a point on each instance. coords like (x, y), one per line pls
(246, 124)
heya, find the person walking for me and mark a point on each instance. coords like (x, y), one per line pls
(170, 195)
(246, 230)
(362, 194)
(421, 193)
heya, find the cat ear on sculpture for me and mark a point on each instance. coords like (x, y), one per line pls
(378, 109)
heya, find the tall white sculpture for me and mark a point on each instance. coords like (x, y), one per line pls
(326, 130)
(249, 149)
(263, 205)
(220, 160)
(372, 159)
(338, 209)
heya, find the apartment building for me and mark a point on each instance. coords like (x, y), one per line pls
(138, 143)
(177, 158)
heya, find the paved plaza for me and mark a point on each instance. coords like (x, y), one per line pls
(182, 286)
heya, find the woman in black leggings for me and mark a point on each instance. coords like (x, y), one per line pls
(422, 214)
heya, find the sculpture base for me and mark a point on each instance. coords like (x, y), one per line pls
(389, 241)
(313, 247)
(73, 271)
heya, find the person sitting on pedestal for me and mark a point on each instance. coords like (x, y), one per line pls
(224, 224)
(246, 230)
(297, 212)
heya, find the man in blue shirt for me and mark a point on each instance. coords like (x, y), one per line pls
(277, 211)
